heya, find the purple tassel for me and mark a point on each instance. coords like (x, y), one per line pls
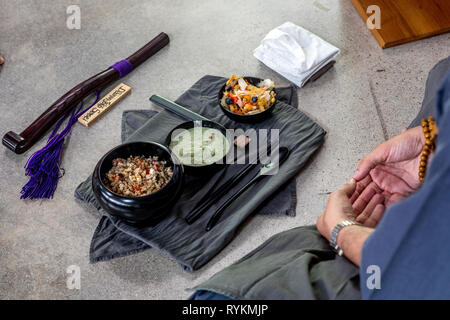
(44, 166)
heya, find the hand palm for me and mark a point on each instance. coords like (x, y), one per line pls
(400, 177)
(387, 175)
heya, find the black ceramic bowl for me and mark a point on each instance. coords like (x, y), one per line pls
(147, 209)
(246, 117)
(202, 169)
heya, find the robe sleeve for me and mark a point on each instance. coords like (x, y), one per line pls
(409, 247)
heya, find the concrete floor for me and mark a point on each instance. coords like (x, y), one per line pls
(40, 239)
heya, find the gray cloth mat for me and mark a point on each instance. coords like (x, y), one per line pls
(109, 242)
(192, 246)
(299, 263)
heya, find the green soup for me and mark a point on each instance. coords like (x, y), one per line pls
(199, 146)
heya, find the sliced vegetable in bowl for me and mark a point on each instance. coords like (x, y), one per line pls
(243, 96)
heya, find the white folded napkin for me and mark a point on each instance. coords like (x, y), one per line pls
(294, 52)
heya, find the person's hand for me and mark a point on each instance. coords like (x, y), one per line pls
(387, 175)
(2, 61)
(338, 209)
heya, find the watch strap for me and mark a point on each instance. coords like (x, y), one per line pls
(335, 233)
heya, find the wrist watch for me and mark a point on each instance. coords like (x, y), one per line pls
(335, 232)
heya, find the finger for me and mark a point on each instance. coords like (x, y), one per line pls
(349, 188)
(360, 186)
(368, 210)
(360, 204)
(354, 196)
(369, 162)
(376, 216)
(2, 60)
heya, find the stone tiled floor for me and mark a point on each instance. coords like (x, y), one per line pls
(39, 240)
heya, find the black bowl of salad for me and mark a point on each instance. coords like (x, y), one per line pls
(247, 99)
(137, 182)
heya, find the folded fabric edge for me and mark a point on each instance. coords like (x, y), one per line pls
(291, 211)
(319, 67)
(183, 264)
(221, 291)
(114, 256)
(303, 81)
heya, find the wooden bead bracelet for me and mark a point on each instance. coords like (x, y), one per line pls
(430, 131)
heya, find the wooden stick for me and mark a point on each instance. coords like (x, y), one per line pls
(20, 143)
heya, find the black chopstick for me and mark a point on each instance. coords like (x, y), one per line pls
(222, 190)
(205, 204)
(218, 213)
(284, 153)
